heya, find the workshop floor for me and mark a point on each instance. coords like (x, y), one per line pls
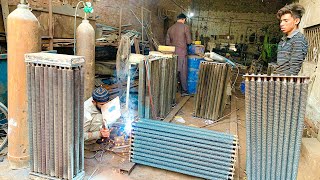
(107, 167)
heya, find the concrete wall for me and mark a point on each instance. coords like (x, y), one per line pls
(239, 25)
(312, 18)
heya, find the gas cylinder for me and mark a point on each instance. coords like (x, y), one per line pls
(85, 46)
(23, 35)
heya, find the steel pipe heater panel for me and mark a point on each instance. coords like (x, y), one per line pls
(55, 115)
(275, 109)
(211, 94)
(157, 86)
(187, 150)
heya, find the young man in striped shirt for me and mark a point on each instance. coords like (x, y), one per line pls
(293, 46)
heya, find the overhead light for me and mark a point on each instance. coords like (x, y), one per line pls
(191, 14)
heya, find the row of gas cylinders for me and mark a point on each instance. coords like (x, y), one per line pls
(23, 36)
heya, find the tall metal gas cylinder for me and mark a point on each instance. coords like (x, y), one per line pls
(23, 35)
(85, 46)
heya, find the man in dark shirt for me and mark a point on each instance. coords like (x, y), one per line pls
(179, 36)
(293, 47)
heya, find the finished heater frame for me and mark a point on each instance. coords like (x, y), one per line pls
(157, 86)
(211, 94)
(55, 115)
(184, 149)
(275, 109)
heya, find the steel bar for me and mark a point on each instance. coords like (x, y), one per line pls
(182, 153)
(34, 120)
(258, 127)
(30, 121)
(64, 123)
(170, 87)
(270, 122)
(142, 89)
(38, 118)
(249, 118)
(190, 129)
(287, 129)
(302, 108)
(283, 110)
(70, 122)
(264, 129)
(77, 83)
(42, 122)
(143, 160)
(198, 90)
(59, 122)
(209, 82)
(81, 122)
(186, 135)
(294, 124)
(176, 169)
(51, 122)
(202, 149)
(46, 125)
(175, 75)
(163, 83)
(182, 162)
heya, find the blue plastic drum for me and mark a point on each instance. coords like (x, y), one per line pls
(193, 73)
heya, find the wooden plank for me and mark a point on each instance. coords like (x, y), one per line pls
(5, 13)
(176, 109)
(50, 25)
(136, 45)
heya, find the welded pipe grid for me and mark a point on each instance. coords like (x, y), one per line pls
(211, 94)
(157, 86)
(55, 115)
(275, 109)
(183, 149)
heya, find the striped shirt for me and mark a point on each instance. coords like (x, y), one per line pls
(291, 52)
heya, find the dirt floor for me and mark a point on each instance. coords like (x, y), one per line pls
(106, 166)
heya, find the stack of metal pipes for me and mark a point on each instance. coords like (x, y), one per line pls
(275, 109)
(211, 95)
(55, 115)
(187, 150)
(157, 86)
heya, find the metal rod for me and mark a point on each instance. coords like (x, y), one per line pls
(77, 83)
(64, 123)
(30, 115)
(60, 120)
(70, 122)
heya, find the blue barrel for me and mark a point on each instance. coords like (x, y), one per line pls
(195, 49)
(3, 79)
(193, 73)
